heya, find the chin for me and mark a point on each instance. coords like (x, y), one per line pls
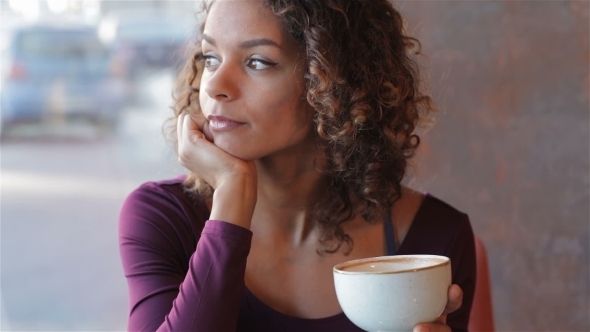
(237, 150)
(244, 156)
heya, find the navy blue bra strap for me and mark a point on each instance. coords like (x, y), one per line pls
(389, 237)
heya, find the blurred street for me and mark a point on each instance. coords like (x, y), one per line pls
(61, 191)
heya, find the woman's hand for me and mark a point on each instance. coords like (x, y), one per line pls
(455, 299)
(198, 154)
(233, 179)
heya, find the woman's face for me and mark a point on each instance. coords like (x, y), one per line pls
(252, 87)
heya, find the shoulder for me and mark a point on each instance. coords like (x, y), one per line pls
(162, 207)
(442, 213)
(158, 189)
(447, 231)
(159, 226)
(168, 193)
(415, 205)
(437, 227)
(405, 209)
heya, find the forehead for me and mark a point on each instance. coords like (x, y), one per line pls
(243, 19)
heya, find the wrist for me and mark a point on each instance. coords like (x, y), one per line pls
(234, 200)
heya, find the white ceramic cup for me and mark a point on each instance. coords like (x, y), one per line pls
(393, 293)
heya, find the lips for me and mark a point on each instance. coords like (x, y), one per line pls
(220, 123)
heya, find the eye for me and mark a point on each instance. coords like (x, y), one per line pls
(259, 64)
(210, 61)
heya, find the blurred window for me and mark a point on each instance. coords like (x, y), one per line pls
(146, 31)
(60, 43)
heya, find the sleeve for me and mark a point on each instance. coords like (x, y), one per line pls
(462, 255)
(171, 289)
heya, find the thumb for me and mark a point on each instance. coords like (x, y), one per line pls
(207, 131)
(202, 125)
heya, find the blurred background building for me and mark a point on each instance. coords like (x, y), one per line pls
(86, 86)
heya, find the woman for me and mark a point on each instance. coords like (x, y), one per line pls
(295, 120)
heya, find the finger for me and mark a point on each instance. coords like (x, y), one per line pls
(203, 125)
(455, 299)
(199, 119)
(191, 129)
(179, 123)
(207, 131)
(455, 296)
(442, 319)
(431, 327)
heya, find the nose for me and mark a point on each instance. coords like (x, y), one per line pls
(222, 84)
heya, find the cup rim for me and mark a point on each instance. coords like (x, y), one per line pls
(338, 268)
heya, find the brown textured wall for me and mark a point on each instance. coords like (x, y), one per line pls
(511, 146)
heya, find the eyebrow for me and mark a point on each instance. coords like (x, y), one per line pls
(248, 43)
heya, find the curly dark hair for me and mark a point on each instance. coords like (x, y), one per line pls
(365, 88)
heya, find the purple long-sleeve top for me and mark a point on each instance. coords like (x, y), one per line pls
(186, 273)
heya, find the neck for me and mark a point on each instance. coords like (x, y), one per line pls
(287, 182)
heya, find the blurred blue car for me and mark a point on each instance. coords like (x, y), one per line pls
(58, 71)
(150, 43)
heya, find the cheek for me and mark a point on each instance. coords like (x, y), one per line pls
(282, 111)
(290, 121)
(205, 103)
(202, 97)
(284, 99)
